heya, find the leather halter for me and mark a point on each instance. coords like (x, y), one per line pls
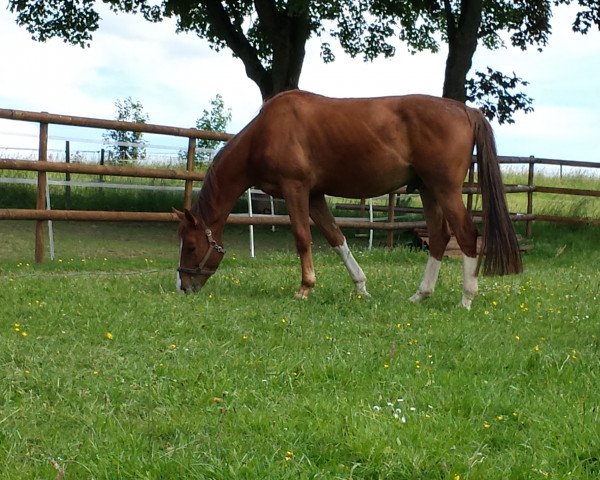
(200, 270)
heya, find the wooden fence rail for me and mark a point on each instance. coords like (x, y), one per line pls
(51, 118)
(84, 168)
(41, 214)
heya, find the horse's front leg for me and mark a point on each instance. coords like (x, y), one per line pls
(320, 213)
(297, 205)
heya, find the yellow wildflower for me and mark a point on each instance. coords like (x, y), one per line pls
(523, 307)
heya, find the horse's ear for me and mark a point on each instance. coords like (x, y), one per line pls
(190, 217)
(179, 214)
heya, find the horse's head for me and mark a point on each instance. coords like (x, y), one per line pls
(199, 255)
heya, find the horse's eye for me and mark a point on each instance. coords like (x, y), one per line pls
(190, 248)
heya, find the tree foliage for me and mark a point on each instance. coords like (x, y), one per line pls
(127, 147)
(587, 17)
(424, 25)
(215, 120)
(491, 90)
(269, 36)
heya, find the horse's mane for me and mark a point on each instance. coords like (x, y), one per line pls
(209, 183)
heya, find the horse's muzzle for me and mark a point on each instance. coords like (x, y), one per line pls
(192, 288)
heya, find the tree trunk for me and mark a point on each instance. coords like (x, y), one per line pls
(462, 43)
(288, 56)
(287, 33)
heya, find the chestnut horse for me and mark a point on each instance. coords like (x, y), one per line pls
(302, 146)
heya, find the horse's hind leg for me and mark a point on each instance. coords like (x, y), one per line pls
(466, 234)
(321, 215)
(439, 234)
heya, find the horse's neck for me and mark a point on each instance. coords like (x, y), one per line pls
(224, 183)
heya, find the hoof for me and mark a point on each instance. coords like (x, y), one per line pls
(466, 303)
(419, 297)
(302, 294)
(361, 290)
(467, 299)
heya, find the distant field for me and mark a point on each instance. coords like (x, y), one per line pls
(23, 196)
(107, 373)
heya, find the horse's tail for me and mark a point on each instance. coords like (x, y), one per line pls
(499, 241)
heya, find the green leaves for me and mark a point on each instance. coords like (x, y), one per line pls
(127, 146)
(269, 36)
(588, 17)
(494, 93)
(215, 120)
(73, 21)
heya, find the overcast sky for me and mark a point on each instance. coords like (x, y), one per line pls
(175, 77)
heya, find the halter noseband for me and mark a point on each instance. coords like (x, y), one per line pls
(200, 270)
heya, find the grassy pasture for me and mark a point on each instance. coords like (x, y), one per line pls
(93, 198)
(107, 373)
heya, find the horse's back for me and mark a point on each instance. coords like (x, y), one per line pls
(359, 146)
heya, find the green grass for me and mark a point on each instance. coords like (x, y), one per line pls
(555, 204)
(241, 381)
(92, 198)
(87, 198)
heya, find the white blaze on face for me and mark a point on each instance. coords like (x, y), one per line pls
(178, 278)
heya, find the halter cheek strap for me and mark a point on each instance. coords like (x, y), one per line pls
(200, 270)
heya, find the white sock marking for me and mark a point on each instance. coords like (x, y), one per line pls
(470, 285)
(427, 287)
(356, 273)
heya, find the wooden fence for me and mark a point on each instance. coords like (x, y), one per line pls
(41, 213)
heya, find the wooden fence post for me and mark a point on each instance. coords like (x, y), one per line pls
(191, 157)
(470, 182)
(102, 153)
(529, 223)
(390, 218)
(68, 176)
(42, 185)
